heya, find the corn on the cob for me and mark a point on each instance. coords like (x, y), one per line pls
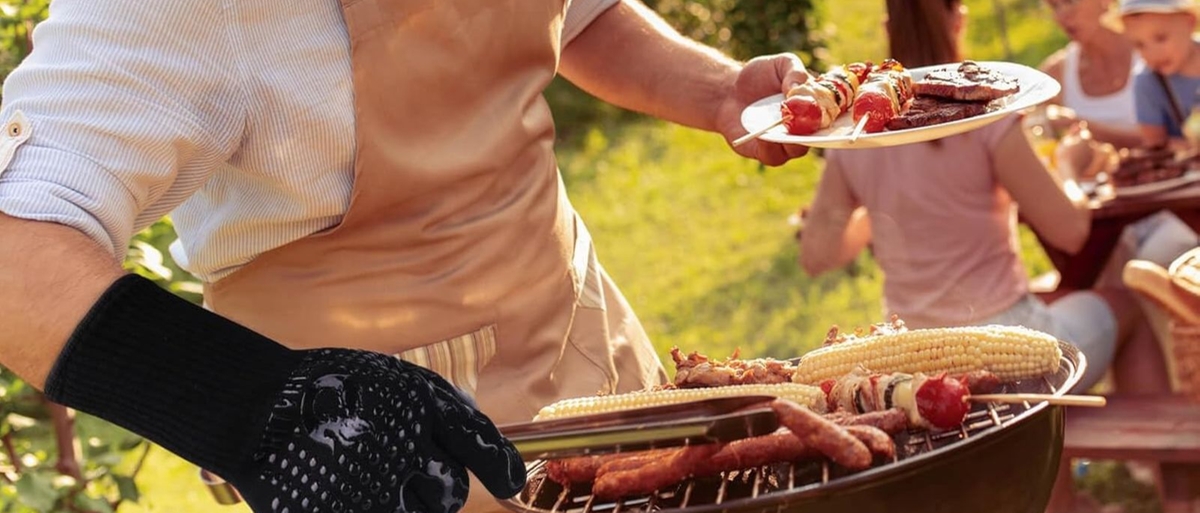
(804, 395)
(1009, 352)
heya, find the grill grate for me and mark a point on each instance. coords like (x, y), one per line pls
(545, 496)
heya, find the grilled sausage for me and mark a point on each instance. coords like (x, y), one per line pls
(584, 469)
(657, 474)
(823, 435)
(580, 469)
(780, 446)
(889, 421)
(875, 439)
(635, 460)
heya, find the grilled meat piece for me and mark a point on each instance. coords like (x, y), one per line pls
(823, 435)
(875, 439)
(584, 469)
(659, 473)
(697, 370)
(889, 421)
(835, 336)
(622, 474)
(968, 82)
(929, 110)
(1143, 166)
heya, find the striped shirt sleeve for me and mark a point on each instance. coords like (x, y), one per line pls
(580, 14)
(129, 105)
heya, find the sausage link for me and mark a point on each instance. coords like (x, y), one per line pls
(633, 461)
(652, 476)
(875, 439)
(823, 435)
(585, 469)
(889, 421)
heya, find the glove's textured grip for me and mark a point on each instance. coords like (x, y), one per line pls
(183, 377)
(353, 431)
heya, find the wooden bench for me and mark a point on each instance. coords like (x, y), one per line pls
(1162, 429)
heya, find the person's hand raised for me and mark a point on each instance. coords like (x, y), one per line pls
(759, 78)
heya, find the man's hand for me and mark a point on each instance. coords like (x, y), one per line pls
(363, 431)
(329, 429)
(631, 58)
(761, 77)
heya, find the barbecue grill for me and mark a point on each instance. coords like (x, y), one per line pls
(1003, 458)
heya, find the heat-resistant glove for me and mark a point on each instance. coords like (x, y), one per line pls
(293, 431)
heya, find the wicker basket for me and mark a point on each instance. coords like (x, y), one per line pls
(1185, 351)
(1176, 291)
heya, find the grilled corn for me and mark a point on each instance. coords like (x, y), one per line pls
(1009, 352)
(805, 395)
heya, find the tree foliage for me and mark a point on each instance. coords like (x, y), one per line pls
(747, 28)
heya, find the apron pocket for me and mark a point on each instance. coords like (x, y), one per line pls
(459, 359)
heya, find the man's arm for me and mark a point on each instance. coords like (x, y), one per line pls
(630, 57)
(50, 276)
(672, 77)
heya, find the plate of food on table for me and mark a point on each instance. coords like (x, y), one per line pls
(862, 408)
(869, 105)
(1143, 171)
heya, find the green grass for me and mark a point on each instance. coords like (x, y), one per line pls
(697, 237)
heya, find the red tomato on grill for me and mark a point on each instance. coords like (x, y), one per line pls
(940, 401)
(806, 115)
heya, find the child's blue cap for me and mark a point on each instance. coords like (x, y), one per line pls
(1156, 6)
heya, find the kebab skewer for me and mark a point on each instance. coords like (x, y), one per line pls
(815, 105)
(885, 94)
(930, 401)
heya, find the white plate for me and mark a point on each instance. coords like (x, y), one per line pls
(1036, 88)
(1160, 186)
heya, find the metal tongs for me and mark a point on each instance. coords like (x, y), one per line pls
(721, 419)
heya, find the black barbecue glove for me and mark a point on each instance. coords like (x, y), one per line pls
(294, 431)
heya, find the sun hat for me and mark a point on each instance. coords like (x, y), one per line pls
(1156, 6)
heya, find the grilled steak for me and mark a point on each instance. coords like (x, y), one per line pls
(968, 82)
(927, 110)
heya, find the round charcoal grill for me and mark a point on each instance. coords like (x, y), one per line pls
(1003, 458)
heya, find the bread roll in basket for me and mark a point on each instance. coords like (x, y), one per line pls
(1176, 290)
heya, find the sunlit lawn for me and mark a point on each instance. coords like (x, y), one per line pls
(697, 237)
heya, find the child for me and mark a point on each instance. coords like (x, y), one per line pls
(1161, 30)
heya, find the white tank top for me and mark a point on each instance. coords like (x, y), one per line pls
(1116, 108)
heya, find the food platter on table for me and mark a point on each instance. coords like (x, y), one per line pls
(1148, 171)
(764, 119)
(1187, 178)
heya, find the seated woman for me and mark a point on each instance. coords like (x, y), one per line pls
(941, 217)
(1096, 70)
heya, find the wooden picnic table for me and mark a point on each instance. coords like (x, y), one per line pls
(1109, 218)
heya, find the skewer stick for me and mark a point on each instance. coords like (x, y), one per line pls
(1065, 400)
(862, 123)
(758, 133)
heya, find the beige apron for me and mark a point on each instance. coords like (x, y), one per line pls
(459, 251)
